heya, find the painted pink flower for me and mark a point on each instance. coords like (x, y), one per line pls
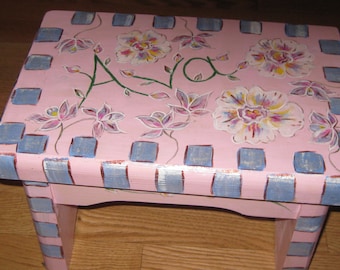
(310, 88)
(139, 47)
(278, 58)
(191, 104)
(193, 42)
(98, 48)
(72, 45)
(105, 120)
(323, 128)
(256, 116)
(54, 116)
(160, 123)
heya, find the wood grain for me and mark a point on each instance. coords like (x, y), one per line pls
(130, 236)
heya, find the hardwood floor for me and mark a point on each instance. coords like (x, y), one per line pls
(128, 236)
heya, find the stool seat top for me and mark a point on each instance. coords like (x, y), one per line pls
(206, 106)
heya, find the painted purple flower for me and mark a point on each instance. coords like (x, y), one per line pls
(191, 104)
(323, 128)
(278, 58)
(72, 45)
(310, 88)
(105, 120)
(193, 42)
(256, 116)
(55, 116)
(160, 123)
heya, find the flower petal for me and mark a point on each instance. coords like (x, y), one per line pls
(38, 118)
(332, 119)
(67, 45)
(303, 83)
(83, 44)
(159, 95)
(90, 111)
(334, 144)
(127, 73)
(200, 112)
(71, 113)
(299, 91)
(152, 134)
(272, 100)
(177, 125)
(167, 118)
(113, 117)
(111, 127)
(72, 69)
(179, 109)
(199, 102)
(98, 129)
(50, 125)
(104, 110)
(63, 109)
(318, 118)
(181, 38)
(182, 97)
(233, 98)
(150, 121)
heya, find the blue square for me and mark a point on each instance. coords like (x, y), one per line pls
(309, 162)
(199, 155)
(83, 147)
(32, 144)
(297, 30)
(170, 180)
(115, 175)
(334, 105)
(209, 24)
(57, 170)
(11, 133)
(301, 249)
(38, 62)
(331, 194)
(83, 18)
(309, 224)
(164, 22)
(46, 229)
(51, 251)
(280, 188)
(144, 151)
(330, 46)
(7, 167)
(43, 205)
(26, 96)
(48, 34)
(227, 184)
(120, 19)
(250, 27)
(251, 159)
(332, 74)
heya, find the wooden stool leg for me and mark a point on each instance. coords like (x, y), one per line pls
(54, 224)
(296, 240)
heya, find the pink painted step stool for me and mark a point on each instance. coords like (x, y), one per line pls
(240, 115)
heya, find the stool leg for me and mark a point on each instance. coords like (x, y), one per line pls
(297, 239)
(54, 224)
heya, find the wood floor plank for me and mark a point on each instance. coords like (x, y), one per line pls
(193, 258)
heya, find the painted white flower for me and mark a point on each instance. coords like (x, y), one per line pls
(139, 47)
(256, 116)
(278, 58)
